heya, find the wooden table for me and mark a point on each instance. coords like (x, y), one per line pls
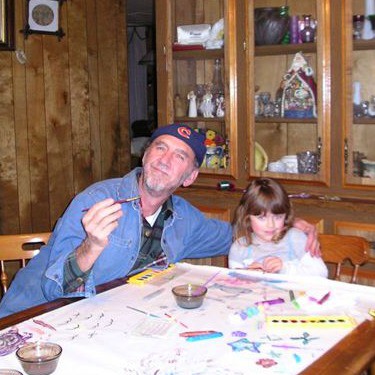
(340, 359)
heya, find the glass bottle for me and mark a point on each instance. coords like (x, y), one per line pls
(217, 89)
(284, 12)
(308, 32)
(217, 80)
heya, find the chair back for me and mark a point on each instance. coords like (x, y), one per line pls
(338, 248)
(19, 247)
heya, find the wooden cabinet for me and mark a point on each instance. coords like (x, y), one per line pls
(253, 141)
(359, 103)
(335, 192)
(245, 67)
(339, 137)
(181, 71)
(278, 128)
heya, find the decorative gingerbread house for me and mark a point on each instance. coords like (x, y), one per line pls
(298, 90)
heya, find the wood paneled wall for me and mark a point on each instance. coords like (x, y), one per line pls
(63, 114)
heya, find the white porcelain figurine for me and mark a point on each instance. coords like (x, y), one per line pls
(192, 104)
(207, 106)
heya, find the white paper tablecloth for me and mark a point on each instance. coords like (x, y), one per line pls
(101, 335)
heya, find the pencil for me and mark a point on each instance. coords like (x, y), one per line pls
(175, 320)
(143, 312)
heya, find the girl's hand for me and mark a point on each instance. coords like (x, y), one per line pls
(272, 264)
(255, 266)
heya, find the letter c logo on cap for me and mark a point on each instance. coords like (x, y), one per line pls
(184, 132)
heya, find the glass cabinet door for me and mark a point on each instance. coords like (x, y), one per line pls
(359, 78)
(196, 69)
(288, 59)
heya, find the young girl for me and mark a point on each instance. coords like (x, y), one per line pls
(264, 238)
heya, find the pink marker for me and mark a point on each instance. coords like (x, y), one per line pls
(324, 298)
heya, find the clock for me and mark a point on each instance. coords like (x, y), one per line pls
(43, 17)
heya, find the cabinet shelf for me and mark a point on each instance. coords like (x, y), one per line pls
(285, 49)
(284, 177)
(364, 120)
(285, 120)
(205, 54)
(200, 119)
(360, 45)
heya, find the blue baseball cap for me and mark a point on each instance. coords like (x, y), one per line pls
(194, 139)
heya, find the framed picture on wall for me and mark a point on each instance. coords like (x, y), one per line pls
(43, 17)
(7, 25)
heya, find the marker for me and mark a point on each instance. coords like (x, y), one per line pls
(324, 298)
(270, 302)
(204, 337)
(293, 299)
(196, 333)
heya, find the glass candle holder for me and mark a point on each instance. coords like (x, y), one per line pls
(307, 162)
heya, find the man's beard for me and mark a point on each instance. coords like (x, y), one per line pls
(156, 186)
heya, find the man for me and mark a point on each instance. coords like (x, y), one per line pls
(112, 240)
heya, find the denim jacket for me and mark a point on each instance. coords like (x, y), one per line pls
(187, 234)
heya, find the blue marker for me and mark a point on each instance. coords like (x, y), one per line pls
(204, 337)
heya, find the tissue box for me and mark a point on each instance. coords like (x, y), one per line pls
(193, 34)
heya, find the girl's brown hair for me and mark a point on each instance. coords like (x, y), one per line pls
(261, 196)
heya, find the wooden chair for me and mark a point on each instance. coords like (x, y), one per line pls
(338, 248)
(19, 247)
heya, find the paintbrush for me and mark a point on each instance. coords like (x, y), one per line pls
(202, 287)
(121, 201)
(148, 265)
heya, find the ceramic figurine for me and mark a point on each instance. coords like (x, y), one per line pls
(179, 106)
(220, 106)
(207, 106)
(210, 138)
(192, 104)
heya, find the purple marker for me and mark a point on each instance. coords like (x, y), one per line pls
(270, 301)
